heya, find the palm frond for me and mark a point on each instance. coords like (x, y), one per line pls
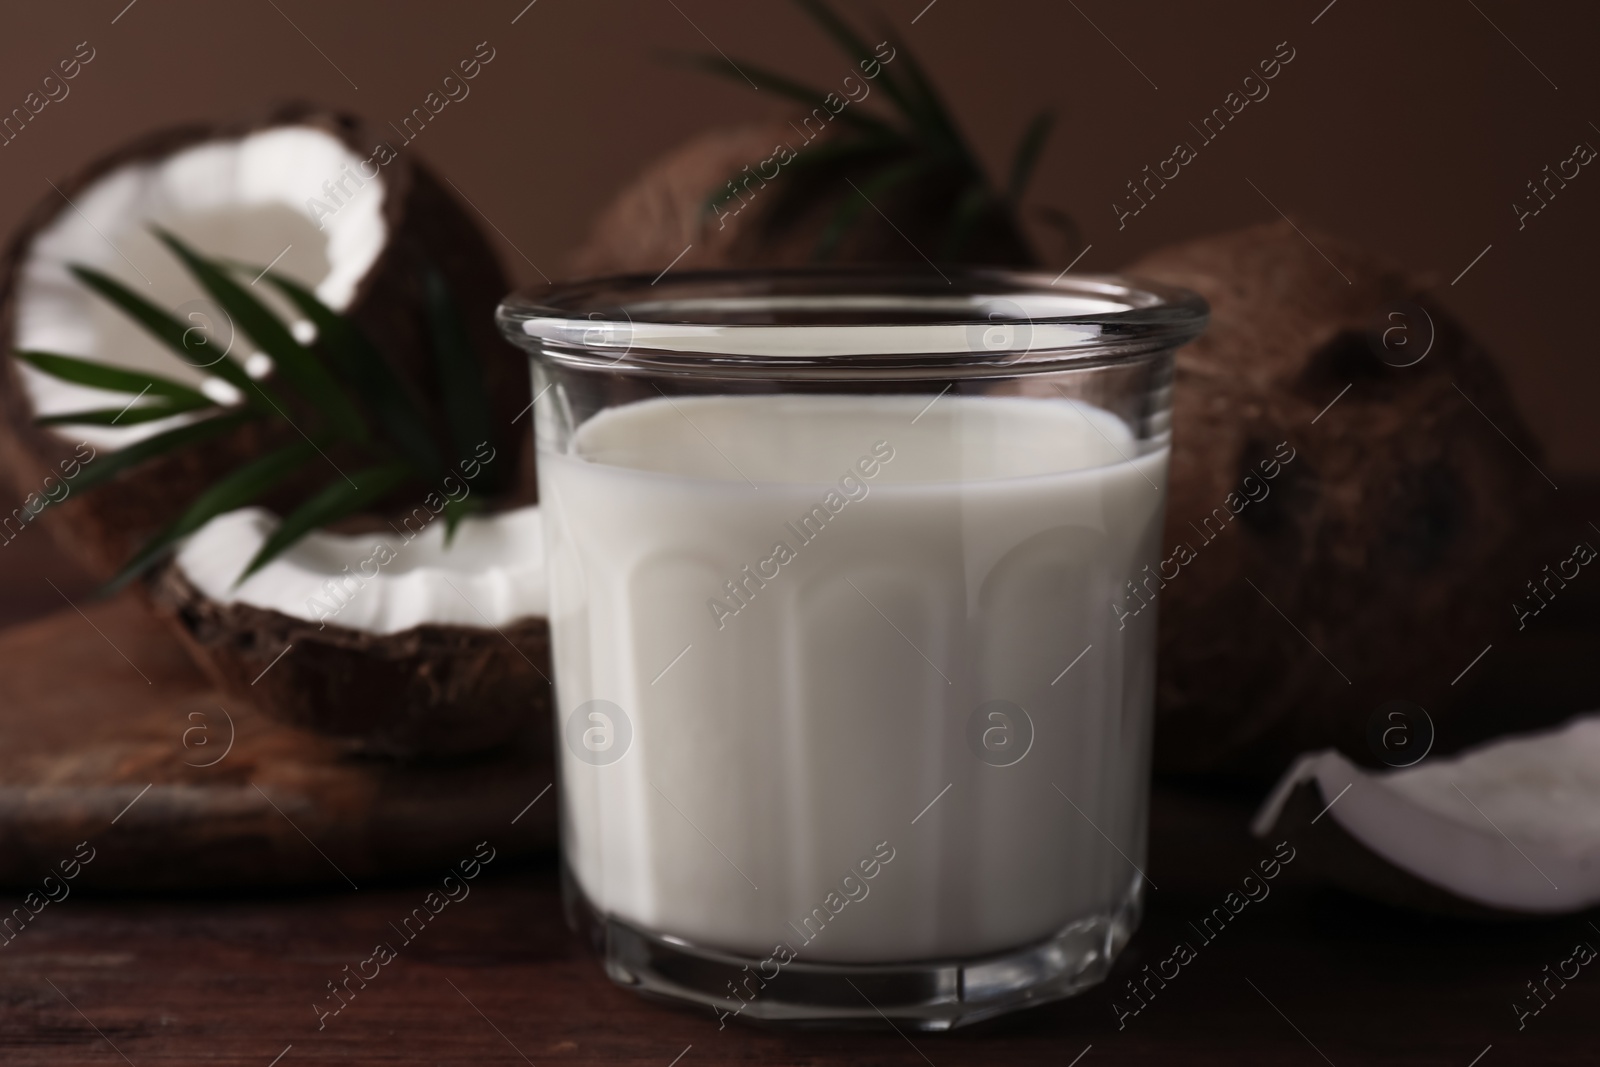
(302, 369)
(853, 46)
(337, 500)
(169, 331)
(976, 216)
(1027, 155)
(81, 371)
(106, 467)
(342, 378)
(362, 369)
(783, 86)
(240, 487)
(461, 388)
(124, 416)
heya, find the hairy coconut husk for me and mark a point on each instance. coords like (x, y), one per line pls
(430, 692)
(426, 225)
(1387, 541)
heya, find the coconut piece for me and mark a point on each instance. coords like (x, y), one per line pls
(265, 190)
(1511, 826)
(1400, 512)
(393, 642)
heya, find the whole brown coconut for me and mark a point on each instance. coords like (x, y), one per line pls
(1380, 559)
(663, 211)
(430, 692)
(426, 228)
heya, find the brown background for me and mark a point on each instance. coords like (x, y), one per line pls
(1409, 128)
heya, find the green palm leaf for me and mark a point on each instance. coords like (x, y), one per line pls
(354, 368)
(922, 128)
(463, 394)
(929, 111)
(1027, 154)
(165, 328)
(337, 500)
(455, 511)
(853, 45)
(362, 368)
(112, 379)
(233, 491)
(128, 416)
(303, 370)
(783, 86)
(106, 467)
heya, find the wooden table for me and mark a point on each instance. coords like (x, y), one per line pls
(1306, 976)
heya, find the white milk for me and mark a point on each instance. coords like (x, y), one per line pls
(803, 733)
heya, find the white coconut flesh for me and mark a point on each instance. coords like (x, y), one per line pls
(1513, 825)
(243, 199)
(492, 573)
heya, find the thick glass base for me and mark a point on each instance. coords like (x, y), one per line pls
(936, 995)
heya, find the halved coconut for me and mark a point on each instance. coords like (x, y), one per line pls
(392, 641)
(1511, 826)
(309, 191)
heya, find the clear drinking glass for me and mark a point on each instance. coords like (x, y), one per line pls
(851, 718)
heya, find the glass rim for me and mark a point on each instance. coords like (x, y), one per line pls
(846, 321)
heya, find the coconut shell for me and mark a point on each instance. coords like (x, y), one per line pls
(431, 692)
(1373, 567)
(100, 529)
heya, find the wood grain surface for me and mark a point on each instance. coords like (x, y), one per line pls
(109, 735)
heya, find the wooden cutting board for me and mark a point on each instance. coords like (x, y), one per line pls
(109, 735)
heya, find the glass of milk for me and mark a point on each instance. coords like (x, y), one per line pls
(853, 721)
